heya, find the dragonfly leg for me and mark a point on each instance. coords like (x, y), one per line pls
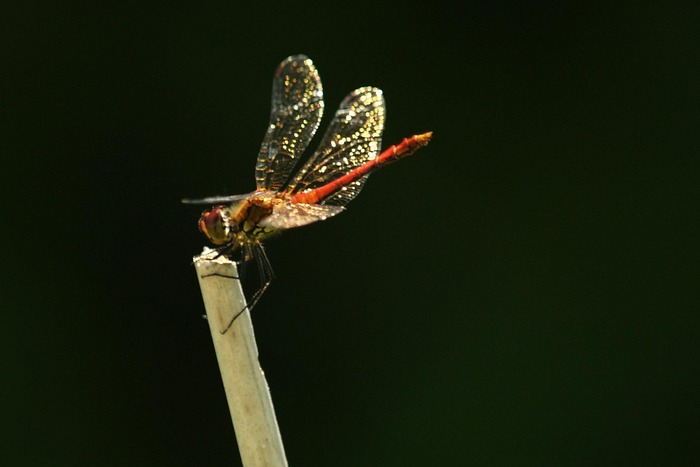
(266, 276)
(242, 263)
(266, 273)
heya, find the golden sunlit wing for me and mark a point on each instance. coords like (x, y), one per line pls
(297, 107)
(287, 215)
(353, 137)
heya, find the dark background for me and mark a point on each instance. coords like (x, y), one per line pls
(521, 292)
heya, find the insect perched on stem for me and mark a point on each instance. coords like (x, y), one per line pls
(330, 178)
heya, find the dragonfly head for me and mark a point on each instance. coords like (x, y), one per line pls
(216, 225)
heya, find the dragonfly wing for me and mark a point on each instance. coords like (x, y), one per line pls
(218, 199)
(297, 107)
(353, 138)
(288, 215)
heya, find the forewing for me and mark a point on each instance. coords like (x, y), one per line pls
(288, 215)
(217, 199)
(353, 138)
(297, 107)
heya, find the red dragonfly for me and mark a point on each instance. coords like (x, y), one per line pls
(320, 189)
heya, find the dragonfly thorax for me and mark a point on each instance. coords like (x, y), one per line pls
(240, 223)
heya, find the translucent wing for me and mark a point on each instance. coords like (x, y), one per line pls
(287, 215)
(297, 107)
(353, 137)
(218, 199)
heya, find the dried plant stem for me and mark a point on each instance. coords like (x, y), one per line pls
(259, 439)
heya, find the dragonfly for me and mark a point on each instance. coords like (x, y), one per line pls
(330, 178)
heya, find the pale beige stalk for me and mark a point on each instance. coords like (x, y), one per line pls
(259, 439)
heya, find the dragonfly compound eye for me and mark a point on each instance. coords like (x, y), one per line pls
(215, 224)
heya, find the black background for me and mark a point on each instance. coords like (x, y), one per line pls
(521, 292)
